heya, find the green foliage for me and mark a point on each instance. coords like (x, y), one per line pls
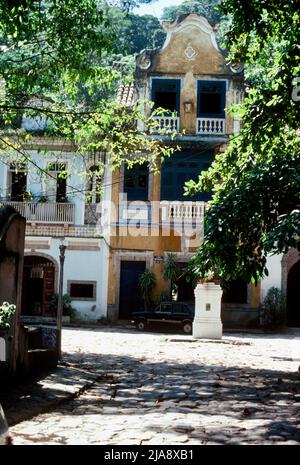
(273, 309)
(68, 310)
(147, 282)
(6, 313)
(171, 269)
(58, 61)
(207, 8)
(171, 272)
(44, 40)
(255, 210)
(163, 297)
(135, 33)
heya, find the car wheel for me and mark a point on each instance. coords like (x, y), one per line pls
(140, 325)
(187, 327)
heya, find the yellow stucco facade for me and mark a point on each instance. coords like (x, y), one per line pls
(190, 54)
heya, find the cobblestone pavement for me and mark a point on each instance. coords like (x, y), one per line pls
(167, 389)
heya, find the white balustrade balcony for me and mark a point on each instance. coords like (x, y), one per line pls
(211, 126)
(34, 212)
(178, 212)
(167, 123)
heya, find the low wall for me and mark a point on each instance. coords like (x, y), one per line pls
(240, 317)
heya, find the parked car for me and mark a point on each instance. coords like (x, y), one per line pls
(5, 436)
(179, 314)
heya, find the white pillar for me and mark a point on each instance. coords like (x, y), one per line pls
(207, 322)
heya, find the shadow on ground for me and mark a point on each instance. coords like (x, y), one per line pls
(229, 402)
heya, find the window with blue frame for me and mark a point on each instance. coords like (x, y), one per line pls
(180, 168)
(136, 182)
(166, 94)
(211, 99)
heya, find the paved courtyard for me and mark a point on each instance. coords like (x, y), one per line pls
(169, 389)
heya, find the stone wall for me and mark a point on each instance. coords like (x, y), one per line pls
(12, 233)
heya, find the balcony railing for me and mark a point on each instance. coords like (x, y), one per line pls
(167, 123)
(63, 213)
(177, 211)
(211, 126)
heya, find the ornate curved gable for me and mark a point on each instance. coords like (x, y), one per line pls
(190, 45)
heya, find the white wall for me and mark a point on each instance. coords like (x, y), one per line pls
(39, 183)
(274, 278)
(82, 265)
(3, 179)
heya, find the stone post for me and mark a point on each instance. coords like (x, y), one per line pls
(60, 304)
(207, 322)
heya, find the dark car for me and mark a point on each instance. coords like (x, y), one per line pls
(179, 314)
(5, 436)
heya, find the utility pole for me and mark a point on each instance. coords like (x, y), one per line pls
(60, 304)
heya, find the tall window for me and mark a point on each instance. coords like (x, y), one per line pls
(18, 183)
(59, 188)
(136, 182)
(94, 180)
(166, 94)
(211, 99)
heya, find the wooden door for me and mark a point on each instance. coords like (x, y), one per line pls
(130, 294)
(49, 275)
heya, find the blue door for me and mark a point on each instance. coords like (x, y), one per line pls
(130, 294)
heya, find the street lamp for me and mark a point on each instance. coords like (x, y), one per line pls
(60, 304)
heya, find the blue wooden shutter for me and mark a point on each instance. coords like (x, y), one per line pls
(136, 182)
(166, 86)
(209, 90)
(181, 167)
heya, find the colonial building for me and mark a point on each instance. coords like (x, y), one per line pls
(144, 215)
(58, 209)
(191, 79)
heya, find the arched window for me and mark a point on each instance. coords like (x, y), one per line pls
(94, 184)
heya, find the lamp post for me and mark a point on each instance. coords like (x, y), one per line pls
(60, 304)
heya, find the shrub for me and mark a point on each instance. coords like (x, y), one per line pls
(6, 312)
(68, 310)
(147, 282)
(273, 309)
(163, 297)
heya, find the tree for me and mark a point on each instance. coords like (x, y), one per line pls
(171, 272)
(135, 33)
(53, 63)
(147, 282)
(206, 8)
(255, 210)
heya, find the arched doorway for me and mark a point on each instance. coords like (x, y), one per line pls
(38, 286)
(293, 295)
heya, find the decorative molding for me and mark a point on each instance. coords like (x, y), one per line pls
(144, 61)
(36, 245)
(81, 245)
(191, 21)
(190, 52)
(236, 68)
